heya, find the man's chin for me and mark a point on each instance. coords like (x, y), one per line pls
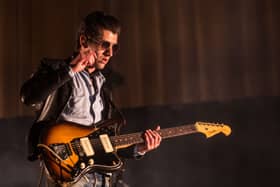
(100, 66)
(97, 65)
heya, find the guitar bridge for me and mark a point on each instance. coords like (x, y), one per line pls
(62, 150)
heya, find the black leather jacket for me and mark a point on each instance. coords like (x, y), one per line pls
(48, 91)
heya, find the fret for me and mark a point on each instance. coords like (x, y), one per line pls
(177, 131)
(127, 139)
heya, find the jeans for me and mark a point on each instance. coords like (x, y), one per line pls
(89, 180)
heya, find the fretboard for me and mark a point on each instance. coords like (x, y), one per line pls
(135, 138)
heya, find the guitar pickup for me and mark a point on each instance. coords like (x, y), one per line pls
(106, 143)
(87, 147)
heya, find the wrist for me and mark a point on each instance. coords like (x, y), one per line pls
(140, 150)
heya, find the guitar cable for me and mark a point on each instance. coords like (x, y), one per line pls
(50, 150)
(41, 174)
(119, 165)
(43, 167)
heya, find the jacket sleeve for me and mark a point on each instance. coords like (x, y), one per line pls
(49, 77)
(129, 152)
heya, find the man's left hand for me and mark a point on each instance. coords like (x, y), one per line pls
(152, 141)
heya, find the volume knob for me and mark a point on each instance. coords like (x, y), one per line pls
(82, 165)
(91, 161)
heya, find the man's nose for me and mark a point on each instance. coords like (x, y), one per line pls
(109, 52)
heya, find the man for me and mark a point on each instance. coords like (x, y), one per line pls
(73, 90)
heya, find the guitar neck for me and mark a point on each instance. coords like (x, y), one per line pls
(135, 138)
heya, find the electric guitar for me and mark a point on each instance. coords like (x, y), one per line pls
(70, 150)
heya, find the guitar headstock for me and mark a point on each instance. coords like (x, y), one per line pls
(211, 129)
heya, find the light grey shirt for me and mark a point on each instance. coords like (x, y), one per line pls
(85, 104)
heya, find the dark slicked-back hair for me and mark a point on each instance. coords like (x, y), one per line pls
(93, 24)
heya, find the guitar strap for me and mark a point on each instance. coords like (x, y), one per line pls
(114, 112)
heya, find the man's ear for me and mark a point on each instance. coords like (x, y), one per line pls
(83, 41)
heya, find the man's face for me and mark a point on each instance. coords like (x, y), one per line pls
(105, 49)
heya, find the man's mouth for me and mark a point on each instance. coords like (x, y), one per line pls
(104, 61)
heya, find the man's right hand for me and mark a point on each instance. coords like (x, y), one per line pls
(82, 60)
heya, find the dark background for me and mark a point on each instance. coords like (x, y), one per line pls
(171, 52)
(248, 157)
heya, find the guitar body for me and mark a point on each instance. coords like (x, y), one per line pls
(67, 159)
